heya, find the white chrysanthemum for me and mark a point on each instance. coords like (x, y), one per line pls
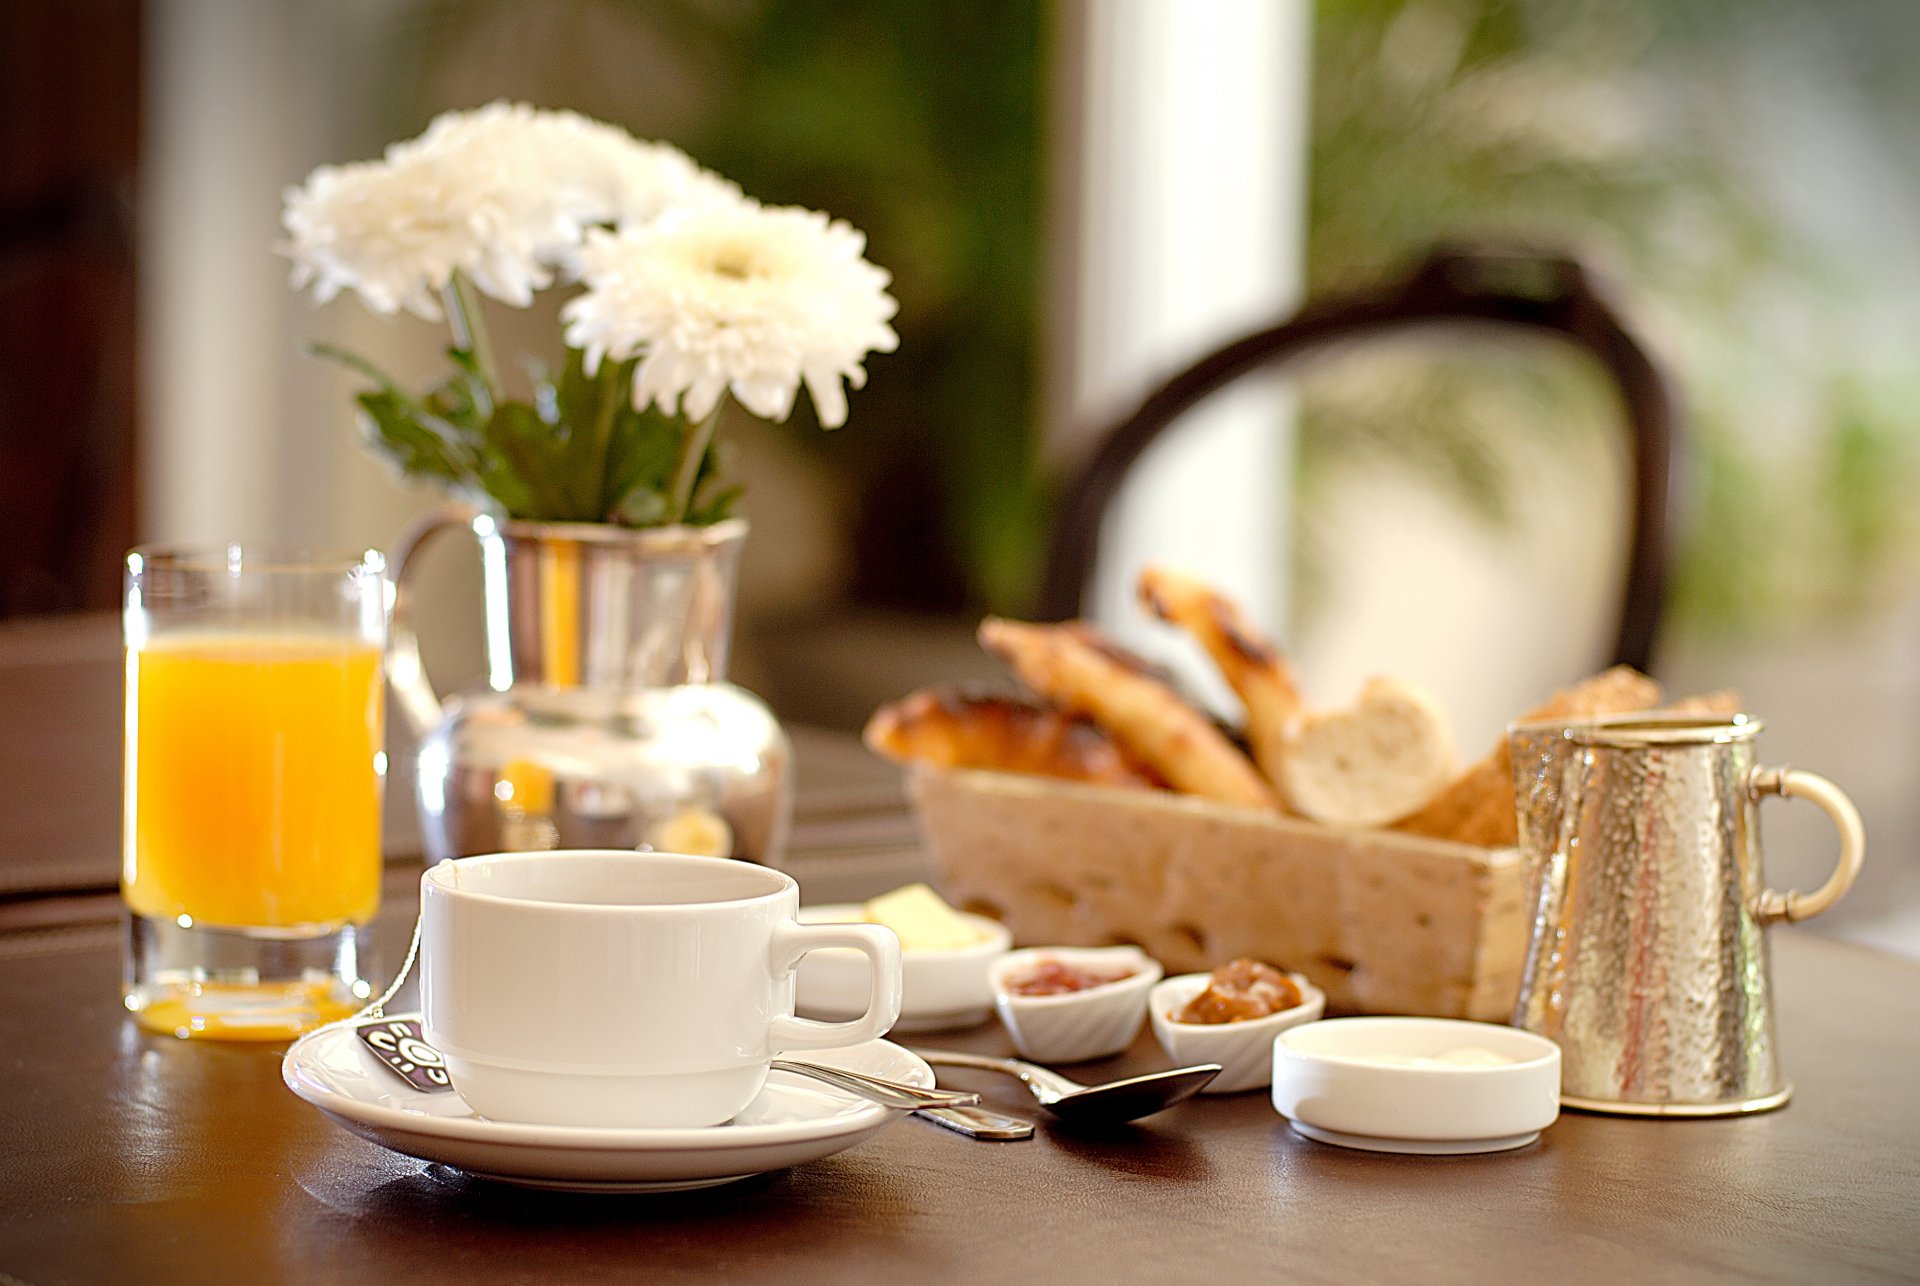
(503, 194)
(396, 232)
(586, 171)
(740, 297)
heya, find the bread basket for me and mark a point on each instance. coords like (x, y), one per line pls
(1382, 922)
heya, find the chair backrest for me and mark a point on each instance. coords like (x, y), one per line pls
(1454, 288)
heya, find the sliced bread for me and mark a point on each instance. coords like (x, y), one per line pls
(1371, 763)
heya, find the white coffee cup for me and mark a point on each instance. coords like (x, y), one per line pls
(615, 988)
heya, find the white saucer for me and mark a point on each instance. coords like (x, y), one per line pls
(792, 1121)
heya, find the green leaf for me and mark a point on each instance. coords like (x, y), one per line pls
(641, 452)
(520, 465)
(465, 394)
(576, 389)
(590, 406)
(717, 507)
(435, 439)
(578, 452)
(497, 478)
(354, 362)
(641, 508)
(396, 430)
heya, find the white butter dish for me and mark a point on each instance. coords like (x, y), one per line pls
(1426, 1085)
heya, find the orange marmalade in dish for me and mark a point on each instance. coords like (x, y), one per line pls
(1240, 992)
(1051, 977)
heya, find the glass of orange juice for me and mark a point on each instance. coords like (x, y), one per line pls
(254, 766)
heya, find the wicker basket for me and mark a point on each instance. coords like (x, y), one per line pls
(1384, 923)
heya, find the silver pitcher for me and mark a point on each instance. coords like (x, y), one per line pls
(606, 721)
(1648, 963)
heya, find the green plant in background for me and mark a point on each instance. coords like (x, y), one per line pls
(1618, 127)
(918, 123)
(1624, 128)
(921, 123)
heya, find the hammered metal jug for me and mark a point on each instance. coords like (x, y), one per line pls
(606, 721)
(1648, 961)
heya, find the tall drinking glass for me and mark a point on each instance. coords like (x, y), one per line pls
(251, 848)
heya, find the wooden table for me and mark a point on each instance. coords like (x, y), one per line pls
(134, 1158)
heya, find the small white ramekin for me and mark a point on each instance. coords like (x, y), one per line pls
(1324, 1085)
(1075, 1025)
(1244, 1050)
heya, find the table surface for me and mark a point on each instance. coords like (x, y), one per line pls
(142, 1158)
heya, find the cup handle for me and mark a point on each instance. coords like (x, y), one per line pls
(882, 950)
(1791, 783)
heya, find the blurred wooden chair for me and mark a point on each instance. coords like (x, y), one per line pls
(1456, 290)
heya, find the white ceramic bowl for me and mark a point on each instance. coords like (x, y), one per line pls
(1324, 1085)
(938, 989)
(1075, 1025)
(1244, 1050)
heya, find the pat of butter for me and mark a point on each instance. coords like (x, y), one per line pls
(1464, 1056)
(922, 919)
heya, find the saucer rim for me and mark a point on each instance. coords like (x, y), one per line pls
(710, 1138)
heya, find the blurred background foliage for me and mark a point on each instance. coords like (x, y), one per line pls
(1742, 169)
(918, 124)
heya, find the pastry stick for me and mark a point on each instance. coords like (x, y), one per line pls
(1252, 666)
(1078, 670)
(950, 728)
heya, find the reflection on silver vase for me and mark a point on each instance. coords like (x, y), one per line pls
(606, 721)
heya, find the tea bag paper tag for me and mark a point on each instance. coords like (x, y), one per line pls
(401, 1049)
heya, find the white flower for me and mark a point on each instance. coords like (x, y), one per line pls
(739, 297)
(396, 232)
(503, 194)
(584, 171)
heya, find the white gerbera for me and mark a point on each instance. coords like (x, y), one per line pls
(503, 194)
(739, 297)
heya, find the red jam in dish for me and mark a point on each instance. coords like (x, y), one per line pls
(1051, 977)
(1240, 992)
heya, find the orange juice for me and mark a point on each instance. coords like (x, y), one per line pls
(253, 779)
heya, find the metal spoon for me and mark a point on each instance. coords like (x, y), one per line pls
(979, 1123)
(1116, 1101)
(943, 1107)
(910, 1098)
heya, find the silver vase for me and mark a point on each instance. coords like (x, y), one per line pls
(607, 721)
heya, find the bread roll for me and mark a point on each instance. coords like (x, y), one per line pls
(1724, 703)
(1477, 807)
(1369, 764)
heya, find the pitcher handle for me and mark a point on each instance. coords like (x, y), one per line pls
(419, 703)
(1791, 783)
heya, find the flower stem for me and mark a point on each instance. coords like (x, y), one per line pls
(693, 449)
(610, 394)
(469, 327)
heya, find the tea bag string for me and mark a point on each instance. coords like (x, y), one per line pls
(377, 1008)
